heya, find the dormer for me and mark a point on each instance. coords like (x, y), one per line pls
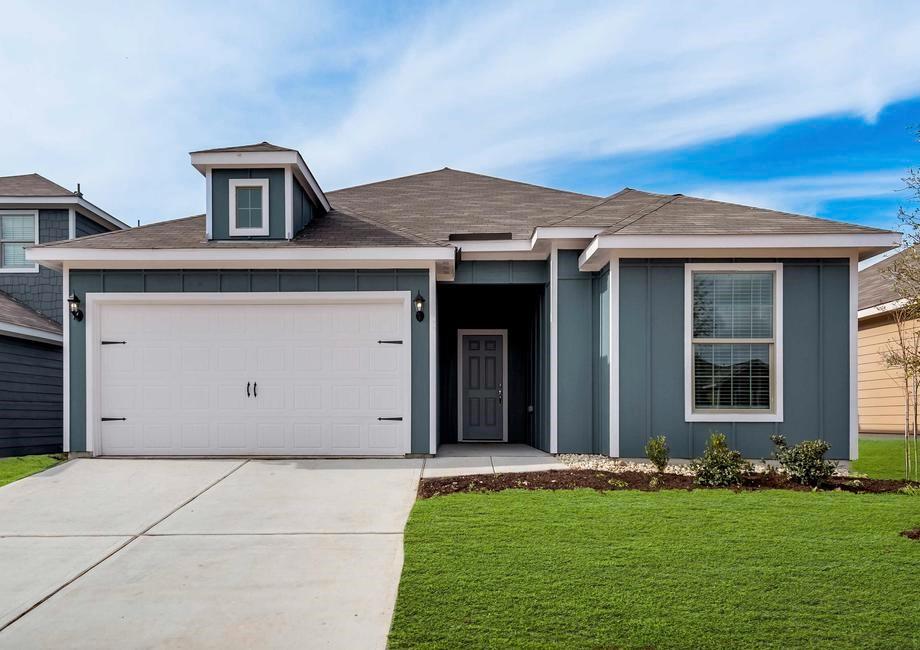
(258, 192)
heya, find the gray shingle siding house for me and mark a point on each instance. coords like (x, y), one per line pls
(390, 318)
(35, 210)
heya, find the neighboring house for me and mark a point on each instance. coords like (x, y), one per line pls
(389, 318)
(34, 210)
(881, 389)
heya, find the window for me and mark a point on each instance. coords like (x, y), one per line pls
(249, 207)
(18, 230)
(733, 363)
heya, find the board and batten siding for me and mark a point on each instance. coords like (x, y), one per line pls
(31, 397)
(250, 281)
(881, 392)
(220, 201)
(815, 358)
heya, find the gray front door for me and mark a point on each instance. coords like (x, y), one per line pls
(481, 391)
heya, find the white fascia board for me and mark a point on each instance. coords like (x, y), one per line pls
(31, 333)
(254, 159)
(55, 257)
(56, 202)
(875, 310)
(562, 236)
(494, 246)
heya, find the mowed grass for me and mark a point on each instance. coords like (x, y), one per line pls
(881, 458)
(673, 569)
(13, 469)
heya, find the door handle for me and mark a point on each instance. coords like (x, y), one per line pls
(500, 393)
(247, 389)
(255, 389)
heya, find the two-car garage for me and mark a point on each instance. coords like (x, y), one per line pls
(243, 374)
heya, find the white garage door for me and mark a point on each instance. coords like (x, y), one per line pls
(325, 378)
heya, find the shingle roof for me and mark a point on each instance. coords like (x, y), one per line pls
(245, 148)
(436, 204)
(13, 312)
(425, 209)
(634, 212)
(31, 185)
(874, 287)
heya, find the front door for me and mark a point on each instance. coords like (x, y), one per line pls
(482, 390)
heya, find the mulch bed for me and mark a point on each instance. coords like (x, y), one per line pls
(607, 481)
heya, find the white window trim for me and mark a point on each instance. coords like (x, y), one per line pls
(34, 214)
(776, 413)
(261, 183)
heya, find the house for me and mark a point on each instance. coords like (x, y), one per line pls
(35, 210)
(392, 317)
(881, 389)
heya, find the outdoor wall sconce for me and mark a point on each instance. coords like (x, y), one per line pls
(419, 306)
(74, 303)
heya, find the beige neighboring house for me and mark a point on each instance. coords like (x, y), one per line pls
(881, 393)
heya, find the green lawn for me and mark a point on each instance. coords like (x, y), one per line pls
(673, 569)
(13, 469)
(881, 458)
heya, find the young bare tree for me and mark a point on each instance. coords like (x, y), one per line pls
(904, 351)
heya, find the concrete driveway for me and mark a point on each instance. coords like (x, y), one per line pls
(107, 553)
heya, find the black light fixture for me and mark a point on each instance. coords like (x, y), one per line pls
(419, 306)
(74, 303)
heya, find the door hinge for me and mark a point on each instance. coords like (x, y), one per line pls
(391, 342)
(391, 419)
(113, 419)
(112, 342)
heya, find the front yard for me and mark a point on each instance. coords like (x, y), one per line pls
(881, 458)
(670, 569)
(13, 469)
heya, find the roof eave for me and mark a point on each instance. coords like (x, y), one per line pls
(66, 201)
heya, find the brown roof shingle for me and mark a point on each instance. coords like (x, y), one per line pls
(246, 148)
(874, 287)
(14, 312)
(31, 185)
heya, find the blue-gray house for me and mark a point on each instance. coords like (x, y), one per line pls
(35, 210)
(388, 318)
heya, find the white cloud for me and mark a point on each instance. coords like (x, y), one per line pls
(115, 96)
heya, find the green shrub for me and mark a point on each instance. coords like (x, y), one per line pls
(658, 452)
(720, 465)
(805, 461)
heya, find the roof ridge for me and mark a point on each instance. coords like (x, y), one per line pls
(644, 212)
(596, 205)
(396, 230)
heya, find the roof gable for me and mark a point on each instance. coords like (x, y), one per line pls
(31, 185)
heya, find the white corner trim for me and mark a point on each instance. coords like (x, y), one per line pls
(288, 203)
(71, 223)
(776, 413)
(473, 332)
(260, 231)
(613, 281)
(854, 356)
(209, 210)
(95, 301)
(432, 360)
(65, 309)
(553, 351)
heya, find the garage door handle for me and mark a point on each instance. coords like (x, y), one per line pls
(113, 419)
(247, 388)
(391, 342)
(112, 342)
(391, 419)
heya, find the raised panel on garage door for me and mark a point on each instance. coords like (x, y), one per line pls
(267, 379)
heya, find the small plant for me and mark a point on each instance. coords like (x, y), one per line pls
(856, 484)
(720, 465)
(658, 452)
(653, 483)
(618, 483)
(910, 490)
(804, 462)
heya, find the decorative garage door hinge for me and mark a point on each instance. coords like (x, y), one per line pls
(112, 342)
(113, 419)
(391, 342)
(391, 419)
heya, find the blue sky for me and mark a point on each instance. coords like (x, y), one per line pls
(809, 107)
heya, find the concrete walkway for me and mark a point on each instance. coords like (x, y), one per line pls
(488, 458)
(203, 553)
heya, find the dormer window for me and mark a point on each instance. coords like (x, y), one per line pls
(248, 207)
